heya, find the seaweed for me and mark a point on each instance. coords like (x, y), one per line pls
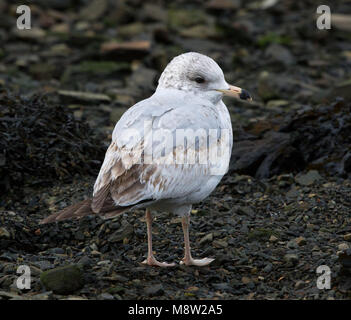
(41, 142)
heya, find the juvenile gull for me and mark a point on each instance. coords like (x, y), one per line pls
(147, 166)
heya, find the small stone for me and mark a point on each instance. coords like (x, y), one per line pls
(292, 244)
(132, 48)
(301, 241)
(223, 5)
(309, 178)
(79, 235)
(60, 28)
(224, 286)
(206, 238)
(105, 296)
(42, 296)
(94, 10)
(4, 233)
(184, 18)
(87, 97)
(267, 90)
(154, 12)
(293, 193)
(245, 210)
(131, 29)
(347, 237)
(342, 21)
(32, 34)
(34, 271)
(343, 246)
(75, 298)
(273, 238)
(154, 290)
(291, 258)
(200, 32)
(345, 259)
(55, 4)
(57, 251)
(63, 280)
(8, 295)
(220, 243)
(299, 284)
(94, 247)
(126, 231)
(116, 289)
(280, 54)
(246, 280)
(277, 104)
(268, 268)
(43, 265)
(103, 262)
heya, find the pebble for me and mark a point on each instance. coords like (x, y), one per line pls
(42, 296)
(291, 258)
(222, 286)
(301, 241)
(154, 290)
(292, 244)
(83, 97)
(4, 233)
(103, 262)
(206, 238)
(63, 280)
(343, 246)
(220, 243)
(309, 178)
(299, 284)
(273, 238)
(85, 261)
(105, 296)
(268, 268)
(96, 253)
(246, 280)
(280, 54)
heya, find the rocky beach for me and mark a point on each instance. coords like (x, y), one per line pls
(282, 210)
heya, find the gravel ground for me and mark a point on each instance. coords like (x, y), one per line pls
(268, 238)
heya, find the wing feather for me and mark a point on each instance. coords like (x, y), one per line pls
(127, 180)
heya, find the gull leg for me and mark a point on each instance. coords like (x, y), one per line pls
(188, 260)
(151, 260)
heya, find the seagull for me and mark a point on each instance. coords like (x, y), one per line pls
(168, 151)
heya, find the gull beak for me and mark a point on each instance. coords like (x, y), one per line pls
(236, 92)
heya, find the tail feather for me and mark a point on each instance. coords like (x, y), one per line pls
(80, 210)
(86, 207)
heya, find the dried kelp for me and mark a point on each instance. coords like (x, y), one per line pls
(40, 142)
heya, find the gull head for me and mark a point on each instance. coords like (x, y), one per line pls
(199, 74)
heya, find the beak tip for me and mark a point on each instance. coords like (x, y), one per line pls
(245, 95)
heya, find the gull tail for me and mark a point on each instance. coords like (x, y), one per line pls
(82, 209)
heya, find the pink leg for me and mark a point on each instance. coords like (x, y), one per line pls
(188, 260)
(151, 260)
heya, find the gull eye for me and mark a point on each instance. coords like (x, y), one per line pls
(199, 79)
